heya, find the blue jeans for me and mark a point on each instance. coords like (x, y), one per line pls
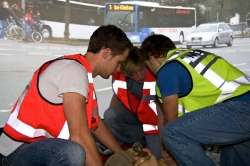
(225, 124)
(4, 26)
(126, 128)
(51, 151)
(27, 28)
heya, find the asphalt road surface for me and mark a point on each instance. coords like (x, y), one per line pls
(19, 60)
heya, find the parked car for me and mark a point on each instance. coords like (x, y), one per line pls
(210, 34)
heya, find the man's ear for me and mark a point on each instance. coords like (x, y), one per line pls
(107, 53)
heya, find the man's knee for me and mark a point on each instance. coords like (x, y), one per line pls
(109, 115)
(114, 112)
(168, 130)
(75, 154)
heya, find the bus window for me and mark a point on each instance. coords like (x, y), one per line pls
(140, 15)
(85, 18)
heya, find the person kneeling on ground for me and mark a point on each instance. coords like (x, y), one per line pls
(132, 115)
(53, 120)
(210, 96)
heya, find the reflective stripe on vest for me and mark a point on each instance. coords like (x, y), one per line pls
(147, 85)
(149, 128)
(22, 128)
(207, 77)
(145, 108)
(119, 84)
(214, 78)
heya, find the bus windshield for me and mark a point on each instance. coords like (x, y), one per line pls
(139, 20)
(123, 19)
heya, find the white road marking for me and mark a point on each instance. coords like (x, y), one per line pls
(103, 89)
(58, 55)
(1, 111)
(39, 53)
(240, 64)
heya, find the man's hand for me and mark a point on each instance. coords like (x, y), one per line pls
(138, 161)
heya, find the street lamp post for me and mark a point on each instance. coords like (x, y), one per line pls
(23, 5)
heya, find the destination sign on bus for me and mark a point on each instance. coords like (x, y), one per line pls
(173, 11)
(121, 7)
(182, 11)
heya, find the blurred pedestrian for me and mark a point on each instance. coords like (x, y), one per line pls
(4, 15)
(17, 14)
(37, 21)
(29, 21)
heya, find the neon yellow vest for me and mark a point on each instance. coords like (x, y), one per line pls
(214, 79)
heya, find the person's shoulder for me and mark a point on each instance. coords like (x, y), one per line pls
(172, 68)
(68, 63)
(172, 65)
(68, 68)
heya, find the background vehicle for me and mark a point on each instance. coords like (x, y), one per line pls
(140, 19)
(210, 34)
(85, 18)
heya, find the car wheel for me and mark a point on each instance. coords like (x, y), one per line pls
(230, 43)
(188, 46)
(216, 43)
(181, 38)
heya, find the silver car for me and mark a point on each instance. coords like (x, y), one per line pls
(210, 34)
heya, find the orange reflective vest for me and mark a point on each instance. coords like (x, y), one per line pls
(33, 117)
(144, 108)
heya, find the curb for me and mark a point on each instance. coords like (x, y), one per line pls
(73, 42)
(78, 42)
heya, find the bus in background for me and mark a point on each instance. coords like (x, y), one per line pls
(140, 19)
(85, 18)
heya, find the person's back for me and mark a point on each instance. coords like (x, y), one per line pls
(213, 97)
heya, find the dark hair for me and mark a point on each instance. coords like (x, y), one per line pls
(29, 10)
(157, 46)
(109, 36)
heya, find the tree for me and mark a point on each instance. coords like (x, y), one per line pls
(67, 20)
(221, 4)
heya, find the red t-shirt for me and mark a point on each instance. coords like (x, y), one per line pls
(28, 18)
